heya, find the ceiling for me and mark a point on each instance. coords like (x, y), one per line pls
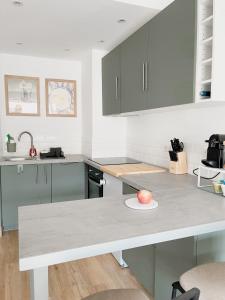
(66, 28)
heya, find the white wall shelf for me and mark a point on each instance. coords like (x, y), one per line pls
(208, 40)
(207, 61)
(206, 81)
(208, 20)
(204, 55)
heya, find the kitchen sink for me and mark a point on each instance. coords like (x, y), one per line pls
(17, 158)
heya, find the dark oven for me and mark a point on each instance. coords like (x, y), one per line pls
(95, 182)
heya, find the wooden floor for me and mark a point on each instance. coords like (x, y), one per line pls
(69, 281)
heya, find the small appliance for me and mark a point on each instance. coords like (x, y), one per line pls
(53, 153)
(215, 151)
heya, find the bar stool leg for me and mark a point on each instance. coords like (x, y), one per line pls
(176, 287)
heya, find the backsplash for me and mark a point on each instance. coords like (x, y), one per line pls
(148, 136)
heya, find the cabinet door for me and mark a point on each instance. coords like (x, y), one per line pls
(172, 259)
(111, 82)
(68, 182)
(20, 186)
(210, 247)
(171, 63)
(133, 58)
(141, 262)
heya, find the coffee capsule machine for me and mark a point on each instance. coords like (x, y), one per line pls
(215, 151)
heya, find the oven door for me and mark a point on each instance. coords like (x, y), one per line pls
(95, 183)
(95, 189)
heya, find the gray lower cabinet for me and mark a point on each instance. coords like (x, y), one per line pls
(171, 62)
(141, 262)
(171, 260)
(134, 53)
(68, 181)
(23, 185)
(0, 206)
(111, 82)
(210, 247)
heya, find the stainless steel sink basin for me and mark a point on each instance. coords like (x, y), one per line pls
(17, 158)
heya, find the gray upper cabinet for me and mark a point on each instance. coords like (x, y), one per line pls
(134, 53)
(68, 182)
(23, 185)
(111, 82)
(156, 63)
(171, 62)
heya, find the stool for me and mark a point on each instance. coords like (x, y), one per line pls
(134, 294)
(208, 278)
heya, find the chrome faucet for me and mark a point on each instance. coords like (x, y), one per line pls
(32, 151)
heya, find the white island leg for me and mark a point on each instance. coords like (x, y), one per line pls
(39, 284)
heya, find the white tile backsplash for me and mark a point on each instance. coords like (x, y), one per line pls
(148, 136)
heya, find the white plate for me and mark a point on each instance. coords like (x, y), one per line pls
(135, 204)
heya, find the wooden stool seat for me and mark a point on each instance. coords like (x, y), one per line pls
(208, 278)
(119, 294)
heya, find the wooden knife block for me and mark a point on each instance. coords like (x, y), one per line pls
(179, 167)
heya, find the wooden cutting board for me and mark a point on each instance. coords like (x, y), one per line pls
(128, 169)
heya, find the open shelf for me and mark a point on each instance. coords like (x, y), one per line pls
(207, 62)
(204, 50)
(206, 81)
(207, 20)
(207, 40)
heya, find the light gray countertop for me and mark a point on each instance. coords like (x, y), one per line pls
(60, 232)
(161, 182)
(69, 158)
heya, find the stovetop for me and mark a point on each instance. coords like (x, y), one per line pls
(115, 160)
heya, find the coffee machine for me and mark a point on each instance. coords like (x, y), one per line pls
(215, 151)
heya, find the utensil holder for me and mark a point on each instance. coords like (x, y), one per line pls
(179, 167)
(11, 147)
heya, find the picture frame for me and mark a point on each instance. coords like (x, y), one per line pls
(22, 95)
(60, 98)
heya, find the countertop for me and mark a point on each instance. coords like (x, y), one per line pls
(69, 158)
(59, 232)
(162, 182)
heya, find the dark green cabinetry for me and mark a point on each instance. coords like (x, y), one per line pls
(111, 83)
(35, 184)
(68, 181)
(156, 63)
(134, 53)
(171, 62)
(23, 185)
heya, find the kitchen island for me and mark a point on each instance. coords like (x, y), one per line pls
(60, 232)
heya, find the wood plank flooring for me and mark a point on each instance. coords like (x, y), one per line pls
(69, 281)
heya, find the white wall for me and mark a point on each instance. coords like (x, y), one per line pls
(148, 136)
(108, 134)
(47, 131)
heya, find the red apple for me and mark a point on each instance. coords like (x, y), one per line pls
(144, 197)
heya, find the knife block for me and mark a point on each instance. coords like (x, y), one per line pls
(179, 167)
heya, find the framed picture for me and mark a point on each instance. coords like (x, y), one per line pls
(60, 97)
(22, 95)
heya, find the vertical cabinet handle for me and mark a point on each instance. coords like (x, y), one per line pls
(19, 169)
(146, 76)
(46, 174)
(37, 174)
(143, 77)
(117, 86)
